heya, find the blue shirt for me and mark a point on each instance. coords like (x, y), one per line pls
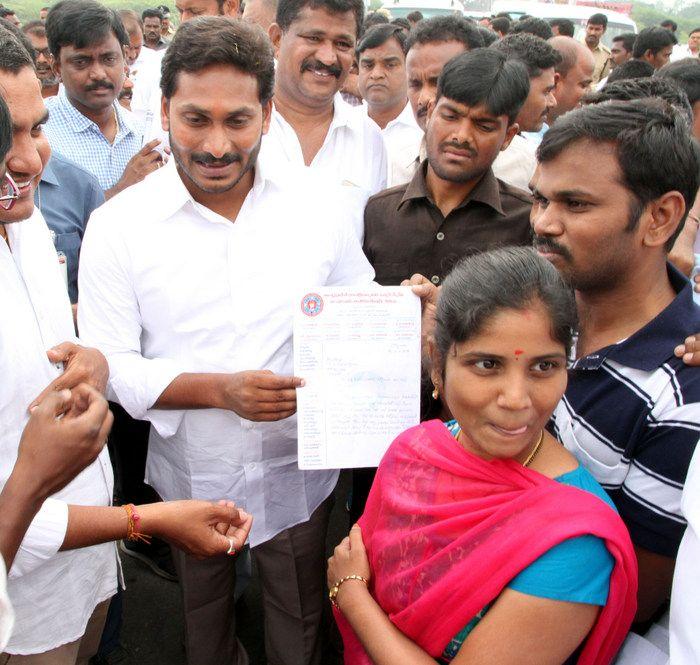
(631, 415)
(79, 139)
(66, 196)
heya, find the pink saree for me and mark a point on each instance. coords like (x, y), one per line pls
(446, 531)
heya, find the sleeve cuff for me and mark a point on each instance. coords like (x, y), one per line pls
(138, 400)
(43, 539)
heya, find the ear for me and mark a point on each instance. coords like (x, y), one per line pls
(664, 216)
(648, 56)
(435, 364)
(510, 133)
(231, 7)
(165, 113)
(56, 66)
(558, 78)
(267, 116)
(274, 32)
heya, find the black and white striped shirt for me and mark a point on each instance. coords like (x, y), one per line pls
(631, 415)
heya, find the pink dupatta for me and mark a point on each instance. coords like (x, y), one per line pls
(446, 531)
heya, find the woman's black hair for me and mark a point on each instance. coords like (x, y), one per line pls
(512, 278)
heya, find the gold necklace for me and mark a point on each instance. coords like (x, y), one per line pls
(531, 456)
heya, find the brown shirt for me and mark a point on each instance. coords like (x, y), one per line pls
(405, 232)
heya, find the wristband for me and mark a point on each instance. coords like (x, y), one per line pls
(132, 525)
(333, 592)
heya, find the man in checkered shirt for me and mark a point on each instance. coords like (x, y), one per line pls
(86, 124)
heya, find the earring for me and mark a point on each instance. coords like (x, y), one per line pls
(436, 394)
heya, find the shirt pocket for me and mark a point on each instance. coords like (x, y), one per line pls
(604, 462)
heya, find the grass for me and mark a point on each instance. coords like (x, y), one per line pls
(28, 10)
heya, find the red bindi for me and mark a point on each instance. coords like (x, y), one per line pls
(519, 352)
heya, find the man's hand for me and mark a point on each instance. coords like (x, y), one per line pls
(428, 294)
(689, 351)
(64, 434)
(81, 365)
(145, 161)
(261, 395)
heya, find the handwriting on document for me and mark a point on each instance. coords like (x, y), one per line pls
(359, 353)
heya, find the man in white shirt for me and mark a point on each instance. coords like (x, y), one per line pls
(381, 58)
(517, 163)
(689, 50)
(50, 625)
(311, 125)
(198, 334)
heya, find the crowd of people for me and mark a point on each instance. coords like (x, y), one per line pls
(169, 193)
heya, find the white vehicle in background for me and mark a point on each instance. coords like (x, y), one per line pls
(429, 8)
(577, 14)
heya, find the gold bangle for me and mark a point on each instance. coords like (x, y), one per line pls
(333, 592)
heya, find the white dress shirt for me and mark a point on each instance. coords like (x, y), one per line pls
(177, 288)
(685, 610)
(53, 593)
(681, 51)
(402, 138)
(7, 614)
(517, 163)
(352, 155)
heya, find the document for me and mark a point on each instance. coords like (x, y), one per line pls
(359, 352)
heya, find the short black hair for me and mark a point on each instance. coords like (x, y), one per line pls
(534, 26)
(643, 88)
(414, 16)
(219, 40)
(485, 284)
(450, 28)
(669, 25)
(6, 11)
(5, 130)
(82, 23)
(486, 76)
(632, 69)
(379, 35)
(372, 19)
(16, 52)
(655, 150)
(501, 24)
(37, 28)
(534, 52)
(627, 39)
(652, 39)
(693, 31)
(598, 19)
(566, 27)
(401, 22)
(288, 11)
(686, 74)
(488, 35)
(152, 13)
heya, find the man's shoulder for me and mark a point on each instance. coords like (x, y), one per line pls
(387, 198)
(514, 196)
(73, 175)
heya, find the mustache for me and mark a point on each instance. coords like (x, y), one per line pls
(548, 245)
(209, 159)
(460, 146)
(317, 65)
(99, 84)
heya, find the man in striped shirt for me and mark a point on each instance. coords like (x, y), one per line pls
(612, 190)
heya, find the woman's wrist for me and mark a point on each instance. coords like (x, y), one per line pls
(350, 593)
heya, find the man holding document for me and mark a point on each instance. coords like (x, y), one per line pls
(192, 302)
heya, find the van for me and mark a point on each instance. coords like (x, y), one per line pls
(577, 14)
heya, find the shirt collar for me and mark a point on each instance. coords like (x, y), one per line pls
(486, 191)
(48, 175)
(653, 344)
(175, 196)
(81, 123)
(404, 118)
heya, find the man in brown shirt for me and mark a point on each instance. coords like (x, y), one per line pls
(454, 206)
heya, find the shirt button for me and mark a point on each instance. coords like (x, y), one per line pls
(434, 279)
(440, 236)
(252, 466)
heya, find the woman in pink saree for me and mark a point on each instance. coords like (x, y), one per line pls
(483, 540)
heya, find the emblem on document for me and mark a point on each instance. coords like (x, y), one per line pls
(312, 304)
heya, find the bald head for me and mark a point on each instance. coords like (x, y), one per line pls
(574, 74)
